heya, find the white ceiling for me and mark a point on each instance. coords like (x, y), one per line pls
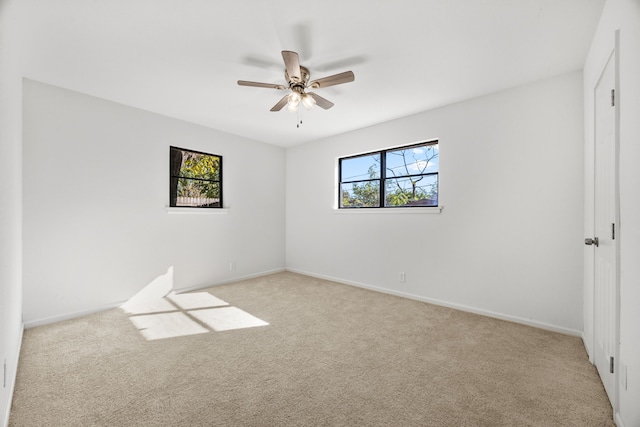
(182, 58)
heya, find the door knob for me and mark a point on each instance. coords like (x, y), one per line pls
(589, 241)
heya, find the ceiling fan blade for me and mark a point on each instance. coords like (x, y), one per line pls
(257, 84)
(292, 63)
(320, 101)
(280, 104)
(336, 79)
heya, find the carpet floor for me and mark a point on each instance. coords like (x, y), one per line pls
(291, 350)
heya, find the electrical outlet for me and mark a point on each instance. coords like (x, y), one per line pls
(232, 266)
(4, 374)
(403, 277)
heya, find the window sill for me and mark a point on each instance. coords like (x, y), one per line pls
(197, 211)
(432, 210)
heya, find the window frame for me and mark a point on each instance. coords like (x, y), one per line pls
(383, 177)
(173, 203)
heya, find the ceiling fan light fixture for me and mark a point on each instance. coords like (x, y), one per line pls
(308, 101)
(293, 100)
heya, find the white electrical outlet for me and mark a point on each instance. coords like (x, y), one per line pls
(232, 266)
(4, 374)
(403, 277)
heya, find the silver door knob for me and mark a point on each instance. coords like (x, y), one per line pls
(589, 241)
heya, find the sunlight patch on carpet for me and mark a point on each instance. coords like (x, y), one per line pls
(159, 313)
(195, 300)
(166, 325)
(227, 318)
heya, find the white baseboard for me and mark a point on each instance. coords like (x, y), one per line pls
(80, 313)
(232, 280)
(618, 420)
(12, 379)
(488, 313)
(586, 347)
(71, 315)
(515, 319)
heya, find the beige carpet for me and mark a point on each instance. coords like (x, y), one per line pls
(331, 355)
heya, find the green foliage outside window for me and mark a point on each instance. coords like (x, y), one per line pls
(206, 169)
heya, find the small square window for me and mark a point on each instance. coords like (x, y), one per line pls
(195, 179)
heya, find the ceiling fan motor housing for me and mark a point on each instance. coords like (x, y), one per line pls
(304, 77)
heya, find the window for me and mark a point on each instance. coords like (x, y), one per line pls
(397, 177)
(196, 179)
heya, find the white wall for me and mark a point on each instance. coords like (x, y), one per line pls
(623, 15)
(95, 189)
(10, 204)
(509, 239)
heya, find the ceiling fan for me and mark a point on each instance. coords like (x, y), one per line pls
(297, 78)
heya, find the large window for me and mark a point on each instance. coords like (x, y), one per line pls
(397, 177)
(195, 179)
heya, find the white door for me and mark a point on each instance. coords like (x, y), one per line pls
(604, 241)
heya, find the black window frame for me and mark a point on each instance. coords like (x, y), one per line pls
(173, 179)
(382, 179)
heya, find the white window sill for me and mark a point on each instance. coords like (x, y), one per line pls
(432, 210)
(197, 211)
